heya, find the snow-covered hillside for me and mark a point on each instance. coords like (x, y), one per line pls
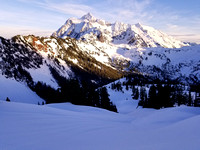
(17, 92)
(22, 67)
(65, 54)
(65, 126)
(181, 64)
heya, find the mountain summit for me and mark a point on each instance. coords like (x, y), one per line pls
(90, 28)
(89, 17)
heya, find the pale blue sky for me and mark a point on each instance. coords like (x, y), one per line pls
(180, 18)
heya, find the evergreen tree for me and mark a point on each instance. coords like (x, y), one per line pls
(143, 97)
(105, 101)
(135, 93)
(113, 86)
(127, 88)
(7, 99)
(94, 98)
(179, 96)
(164, 96)
(189, 99)
(153, 101)
(104, 97)
(119, 86)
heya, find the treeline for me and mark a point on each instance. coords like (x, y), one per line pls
(154, 93)
(75, 91)
(78, 94)
(162, 96)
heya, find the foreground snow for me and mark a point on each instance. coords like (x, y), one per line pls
(65, 126)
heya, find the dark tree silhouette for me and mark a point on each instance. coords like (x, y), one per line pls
(7, 99)
(135, 93)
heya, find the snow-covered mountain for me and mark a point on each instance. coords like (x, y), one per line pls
(90, 28)
(137, 48)
(98, 52)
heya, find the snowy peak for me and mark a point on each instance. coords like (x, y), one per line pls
(88, 17)
(91, 29)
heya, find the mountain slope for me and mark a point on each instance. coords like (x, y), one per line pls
(55, 69)
(21, 68)
(17, 92)
(69, 54)
(23, 63)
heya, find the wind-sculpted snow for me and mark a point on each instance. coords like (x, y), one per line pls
(64, 126)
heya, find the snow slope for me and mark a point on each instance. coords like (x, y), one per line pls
(122, 99)
(64, 126)
(17, 91)
(43, 74)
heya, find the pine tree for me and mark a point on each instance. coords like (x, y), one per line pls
(104, 97)
(143, 97)
(189, 99)
(135, 93)
(105, 101)
(127, 88)
(153, 101)
(164, 96)
(179, 96)
(7, 99)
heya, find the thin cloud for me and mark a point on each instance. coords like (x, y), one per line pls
(147, 12)
(185, 35)
(110, 10)
(131, 11)
(188, 38)
(67, 8)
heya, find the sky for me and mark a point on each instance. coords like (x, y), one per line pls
(179, 18)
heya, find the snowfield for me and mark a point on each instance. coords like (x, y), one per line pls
(17, 92)
(69, 127)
